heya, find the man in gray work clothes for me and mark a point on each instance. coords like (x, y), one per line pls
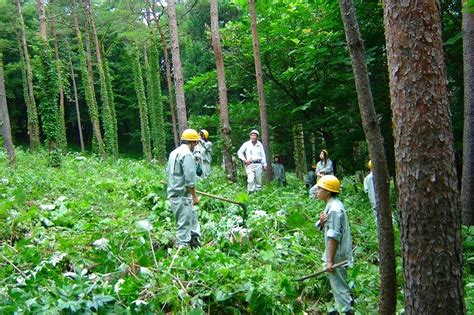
(181, 191)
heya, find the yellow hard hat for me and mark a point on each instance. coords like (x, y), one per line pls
(190, 135)
(205, 133)
(369, 165)
(330, 183)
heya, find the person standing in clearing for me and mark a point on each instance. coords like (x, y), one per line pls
(253, 156)
(181, 192)
(278, 171)
(323, 167)
(333, 221)
(203, 151)
(369, 188)
(311, 177)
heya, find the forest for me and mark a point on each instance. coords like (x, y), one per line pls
(95, 94)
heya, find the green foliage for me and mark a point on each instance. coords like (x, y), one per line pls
(142, 102)
(153, 84)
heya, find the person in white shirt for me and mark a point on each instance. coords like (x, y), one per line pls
(252, 154)
(369, 188)
(202, 153)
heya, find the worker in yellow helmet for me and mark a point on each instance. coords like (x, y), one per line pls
(202, 153)
(181, 192)
(333, 221)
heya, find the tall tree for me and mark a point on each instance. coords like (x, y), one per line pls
(223, 108)
(424, 157)
(107, 121)
(164, 46)
(5, 119)
(177, 69)
(142, 103)
(48, 91)
(33, 123)
(260, 88)
(299, 151)
(467, 188)
(59, 70)
(88, 83)
(76, 102)
(153, 84)
(388, 281)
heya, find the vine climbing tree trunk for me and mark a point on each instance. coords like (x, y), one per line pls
(224, 111)
(62, 136)
(88, 83)
(424, 156)
(5, 119)
(388, 281)
(467, 188)
(178, 75)
(76, 102)
(164, 46)
(260, 88)
(33, 123)
(107, 120)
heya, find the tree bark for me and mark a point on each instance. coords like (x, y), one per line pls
(221, 82)
(178, 76)
(169, 82)
(424, 155)
(107, 121)
(260, 88)
(467, 188)
(5, 119)
(76, 101)
(299, 152)
(388, 281)
(87, 79)
(63, 138)
(33, 123)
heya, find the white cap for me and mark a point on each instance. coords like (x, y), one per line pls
(255, 132)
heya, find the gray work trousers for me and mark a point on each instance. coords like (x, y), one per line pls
(340, 289)
(187, 223)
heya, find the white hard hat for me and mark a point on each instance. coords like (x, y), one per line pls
(255, 132)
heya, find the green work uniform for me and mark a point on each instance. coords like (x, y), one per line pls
(337, 228)
(181, 172)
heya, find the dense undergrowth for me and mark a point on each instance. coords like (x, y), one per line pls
(94, 237)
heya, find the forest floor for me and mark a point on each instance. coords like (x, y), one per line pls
(92, 237)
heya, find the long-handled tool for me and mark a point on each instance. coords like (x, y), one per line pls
(243, 205)
(339, 264)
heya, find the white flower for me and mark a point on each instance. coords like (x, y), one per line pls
(140, 302)
(118, 286)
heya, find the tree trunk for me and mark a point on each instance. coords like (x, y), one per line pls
(260, 89)
(313, 149)
(424, 156)
(88, 83)
(63, 138)
(299, 154)
(5, 119)
(107, 120)
(76, 101)
(178, 76)
(467, 189)
(33, 123)
(164, 46)
(388, 281)
(110, 94)
(224, 111)
(153, 84)
(142, 103)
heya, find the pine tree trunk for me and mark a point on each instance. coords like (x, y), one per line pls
(107, 121)
(142, 104)
(33, 123)
(5, 119)
(76, 101)
(87, 80)
(313, 149)
(467, 189)
(62, 138)
(224, 111)
(388, 281)
(297, 152)
(169, 82)
(260, 89)
(424, 155)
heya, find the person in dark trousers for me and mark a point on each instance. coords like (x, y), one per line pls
(278, 171)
